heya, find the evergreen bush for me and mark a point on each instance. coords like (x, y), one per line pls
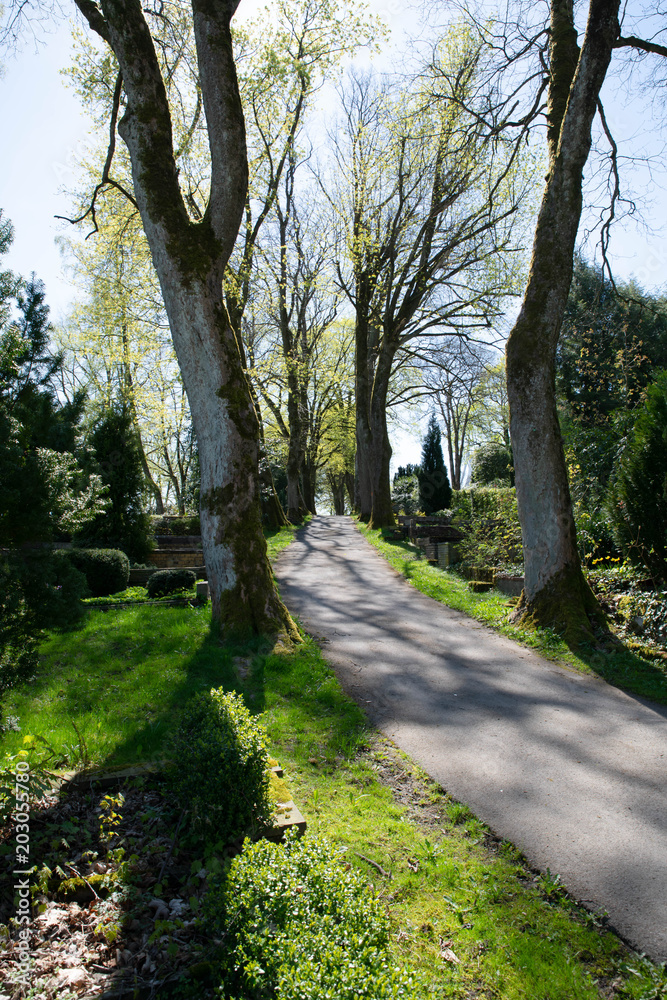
(219, 766)
(107, 571)
(301, 925)
(37, 590)
(170, 581)
(638, 492)
(405, 492)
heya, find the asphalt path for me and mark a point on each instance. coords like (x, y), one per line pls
(568, 768)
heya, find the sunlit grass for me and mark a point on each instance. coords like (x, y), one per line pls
(121, 680)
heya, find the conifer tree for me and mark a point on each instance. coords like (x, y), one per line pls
(435, 493)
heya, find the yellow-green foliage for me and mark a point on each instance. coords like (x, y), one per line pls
(490, 521)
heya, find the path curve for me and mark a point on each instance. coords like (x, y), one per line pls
(568, 768)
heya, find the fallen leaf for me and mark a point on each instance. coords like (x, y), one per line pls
(449, 956)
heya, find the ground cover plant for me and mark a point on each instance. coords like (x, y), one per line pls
(465, 912)
(633, 666)
(139, 595)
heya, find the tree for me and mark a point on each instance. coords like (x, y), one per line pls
(455, 375)
(283, 62)
(405, 490)
(612, 341)
(556, 592)
(115, 445)
(43, 492)
(429, 211)
(190, 251)
(638, 496)
(435, 493)
(492, 465)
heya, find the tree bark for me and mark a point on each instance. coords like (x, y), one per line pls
(190, 259)
(382, 514)
(556, 593)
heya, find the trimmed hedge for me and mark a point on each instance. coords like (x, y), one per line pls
(107, 571)
(169, 581)
(300, 924)
(219, 766)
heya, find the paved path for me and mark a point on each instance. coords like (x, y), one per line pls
(568, 768)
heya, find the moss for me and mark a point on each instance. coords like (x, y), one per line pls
(252, 605)
(81, 889)
(566, 605)
(278, 790)
(219, 499)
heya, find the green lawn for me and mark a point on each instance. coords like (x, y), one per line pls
(465, 910)
(639, 672)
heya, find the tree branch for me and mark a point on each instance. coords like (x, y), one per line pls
(95, 18)
(106, 180)
(224, 117)
(638, 43)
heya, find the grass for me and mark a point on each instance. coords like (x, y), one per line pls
(466, 911)
(635, 670)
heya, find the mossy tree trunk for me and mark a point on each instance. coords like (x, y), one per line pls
(556, 593)
(190, 258)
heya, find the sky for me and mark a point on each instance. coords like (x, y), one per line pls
(44, 131)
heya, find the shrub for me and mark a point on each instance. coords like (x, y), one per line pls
(405, 494)
(492, 465)
(38, 589)
(107, 571)
(302, 926)
(219, 766)
(170, 581)
(490, 521)
(638, 494)
(186, 524)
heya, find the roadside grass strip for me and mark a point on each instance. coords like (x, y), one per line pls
(638, 670)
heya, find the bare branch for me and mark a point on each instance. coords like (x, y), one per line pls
(106, 180)
(638, 43)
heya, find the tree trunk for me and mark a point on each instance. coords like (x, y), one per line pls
(309, 484)
(227, 431)
(364, 454)
(190, 259)
(296, 506)
(555, 593)
(273, 514)
(382, 513)
(337, 486)
(349, 486)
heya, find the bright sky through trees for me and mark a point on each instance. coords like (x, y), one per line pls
(44, 131)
